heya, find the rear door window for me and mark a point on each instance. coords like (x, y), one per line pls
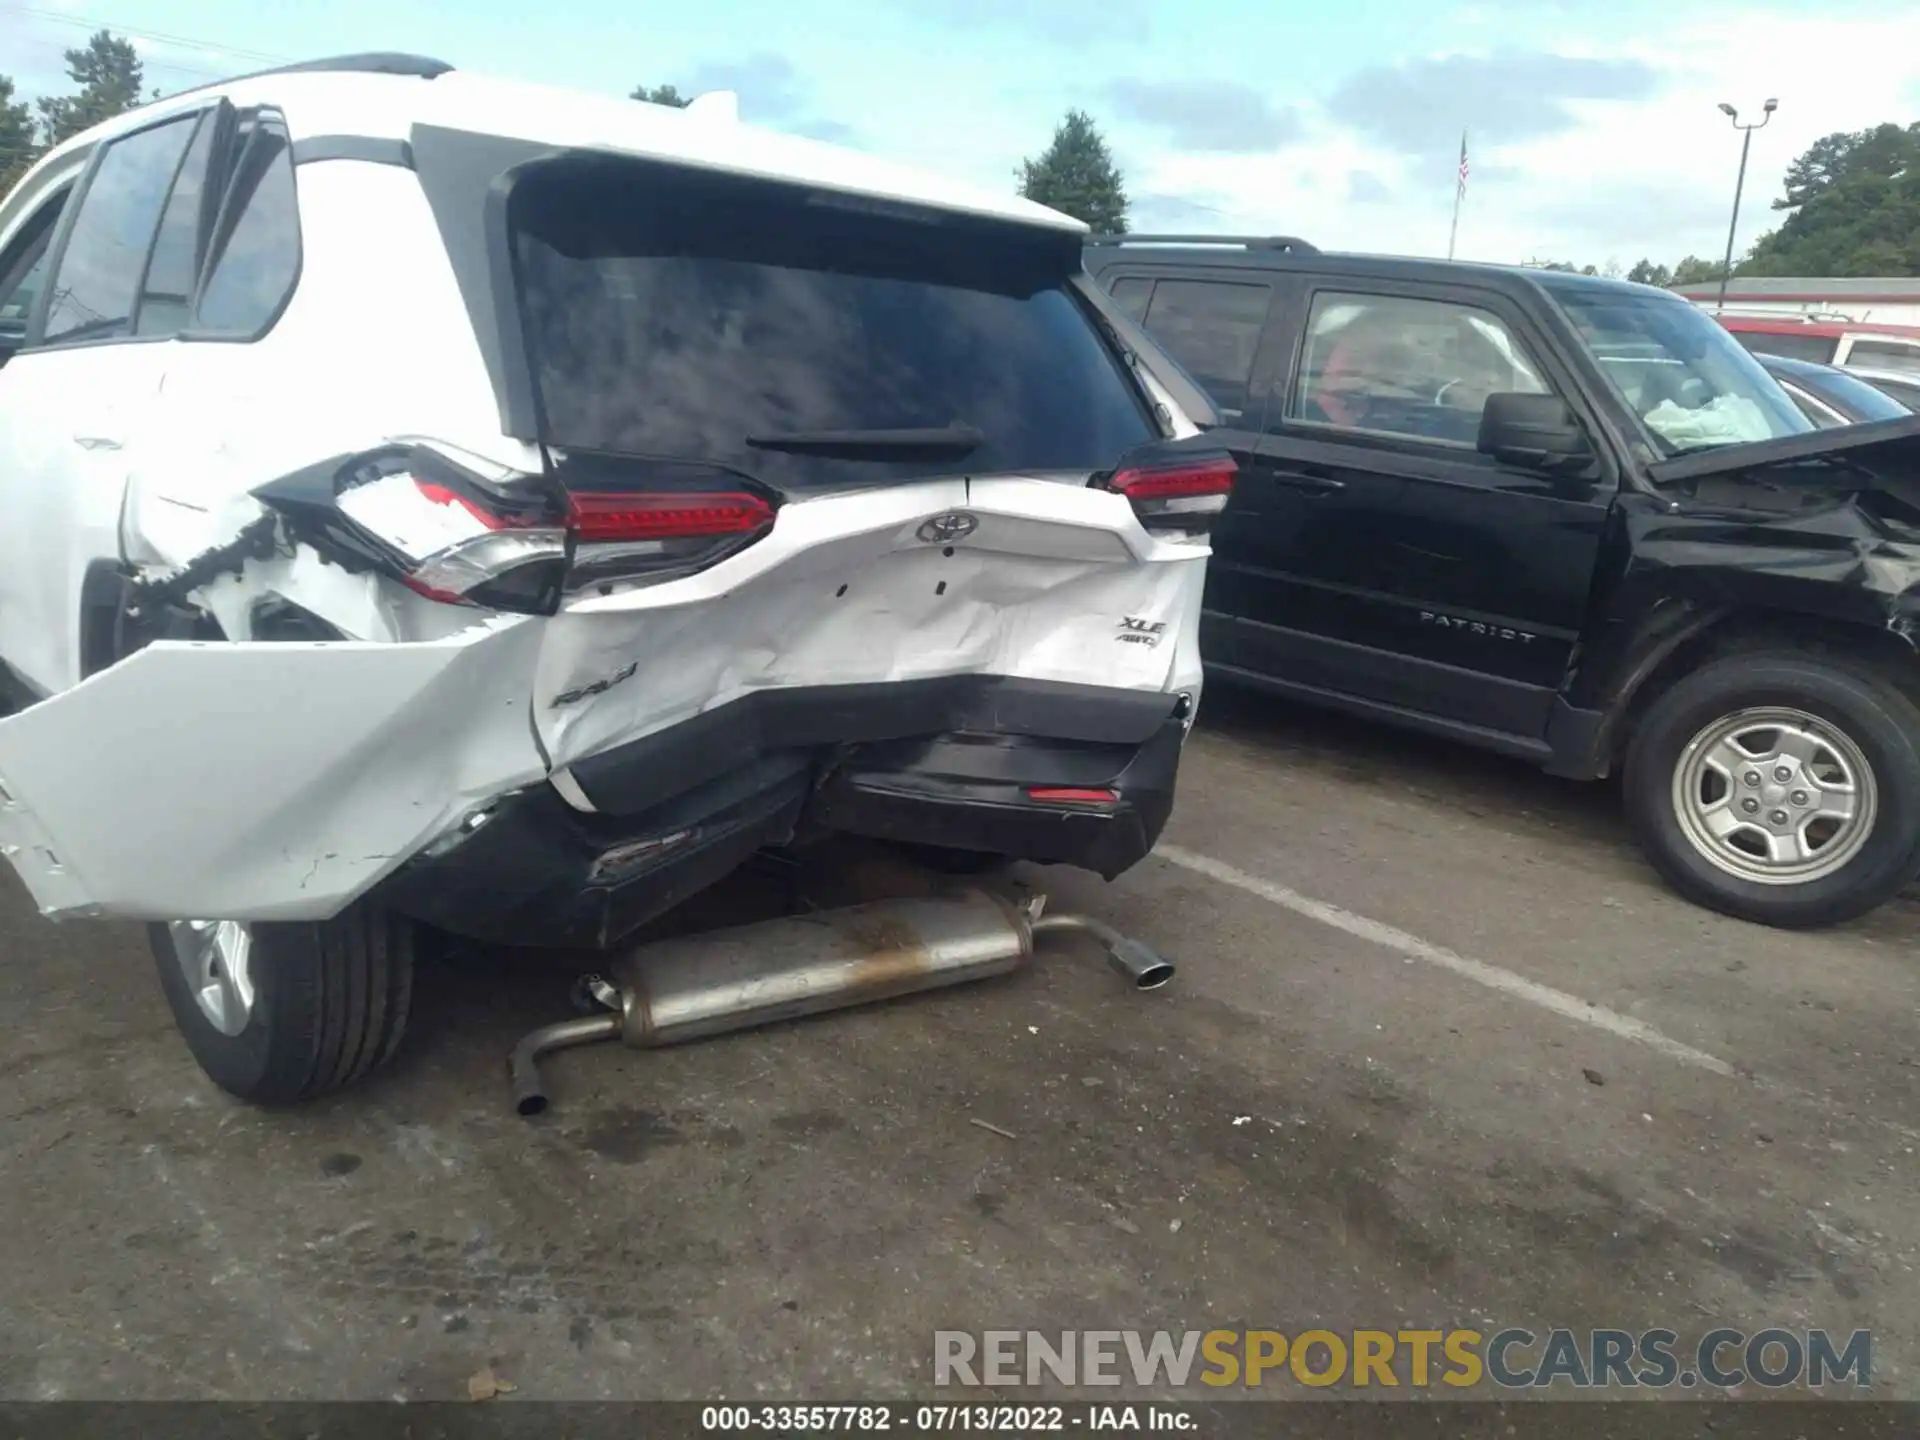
(674, 315)
(1886, 355)
(1132, 295)
(1212, 327)
(1817, 348)
(98, 282)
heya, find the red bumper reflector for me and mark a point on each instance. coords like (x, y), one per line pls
(1071, 795)
(666, 516)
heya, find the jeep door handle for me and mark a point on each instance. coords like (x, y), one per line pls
(1306, 481)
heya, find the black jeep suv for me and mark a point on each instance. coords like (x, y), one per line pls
(1573, 520)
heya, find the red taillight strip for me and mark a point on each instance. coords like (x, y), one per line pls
(597, 517)
(1171, 482)
(1072, 795)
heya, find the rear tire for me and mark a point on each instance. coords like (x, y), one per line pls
(1737, 775)
(279, 1013)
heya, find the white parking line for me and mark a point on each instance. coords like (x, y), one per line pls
(1572, 1007)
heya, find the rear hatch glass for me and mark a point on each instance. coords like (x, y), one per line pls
(679, 314)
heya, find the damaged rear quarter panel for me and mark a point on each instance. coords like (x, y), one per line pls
(259, 781)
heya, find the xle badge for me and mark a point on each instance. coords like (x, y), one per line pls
(1135, 631)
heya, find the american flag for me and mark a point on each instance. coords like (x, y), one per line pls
(1463, 161)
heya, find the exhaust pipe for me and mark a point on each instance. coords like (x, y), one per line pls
(695, 986)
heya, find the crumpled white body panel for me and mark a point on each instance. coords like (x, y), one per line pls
(259, 781)
(280, 781)
(843, 592)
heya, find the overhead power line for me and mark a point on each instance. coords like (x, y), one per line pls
(158, 37)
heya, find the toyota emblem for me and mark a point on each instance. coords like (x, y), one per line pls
(945, 529)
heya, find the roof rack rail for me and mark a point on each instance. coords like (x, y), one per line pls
(372, 62)
(1247, 242)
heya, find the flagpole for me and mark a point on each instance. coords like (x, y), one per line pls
(1459, 194)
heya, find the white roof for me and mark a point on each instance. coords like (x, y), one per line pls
(389, 106)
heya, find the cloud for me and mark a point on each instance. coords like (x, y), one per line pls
(767, 84)
(1366, 188)
(1079, 22)
(1170, 213)
(1208, 115)
(1415, 107)
(832, 131)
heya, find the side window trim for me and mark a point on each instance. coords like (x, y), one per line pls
(76, 201)
(153, 243)
(242, 136)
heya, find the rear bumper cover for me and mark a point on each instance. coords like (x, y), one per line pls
(698, 799)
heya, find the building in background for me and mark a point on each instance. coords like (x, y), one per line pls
(1882, 302)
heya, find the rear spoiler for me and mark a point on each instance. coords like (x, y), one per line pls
(1184, 389)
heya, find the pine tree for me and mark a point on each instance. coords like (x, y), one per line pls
(108, 73)
(1076, 174)
(17, 148)
(662, 95)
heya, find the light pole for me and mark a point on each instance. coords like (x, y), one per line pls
(1746, 144)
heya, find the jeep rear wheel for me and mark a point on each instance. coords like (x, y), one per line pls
(278, 1013)
(1780, 786)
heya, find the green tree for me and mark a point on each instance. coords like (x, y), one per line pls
(1852, 207)
(1695, 271)
(108, 73)
(1645, 272)
(1076, 174)
(17, 148)
(662, 95)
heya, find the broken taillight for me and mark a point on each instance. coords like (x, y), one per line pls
(452, 536)
(1177, 499)
(628, 538)
(459, 545)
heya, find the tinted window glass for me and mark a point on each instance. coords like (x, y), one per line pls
(1213, 329)
(93, 293)
(23, 274)
(1408, 367)
(1132, 295)
(1679, 371)
(1907, 394)
(1857, 398)
(673, 315)
(1885, 355)
(1817, 348)
(1818, 411)
(165, 298)
(257, 250)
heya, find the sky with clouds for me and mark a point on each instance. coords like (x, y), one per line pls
(1593, 131)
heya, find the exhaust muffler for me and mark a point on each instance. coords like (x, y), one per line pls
(695, 986)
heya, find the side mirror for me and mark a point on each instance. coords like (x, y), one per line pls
(12, 337)
(1536, 432)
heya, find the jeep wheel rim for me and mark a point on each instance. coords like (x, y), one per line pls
(1775, 795)
(214, 956)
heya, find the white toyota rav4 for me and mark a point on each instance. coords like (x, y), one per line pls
(435, 500)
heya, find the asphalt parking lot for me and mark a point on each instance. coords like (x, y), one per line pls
(1442, 1051)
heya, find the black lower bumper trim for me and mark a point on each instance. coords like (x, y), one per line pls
(538, 872)
(961, 794)
(640, 774)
